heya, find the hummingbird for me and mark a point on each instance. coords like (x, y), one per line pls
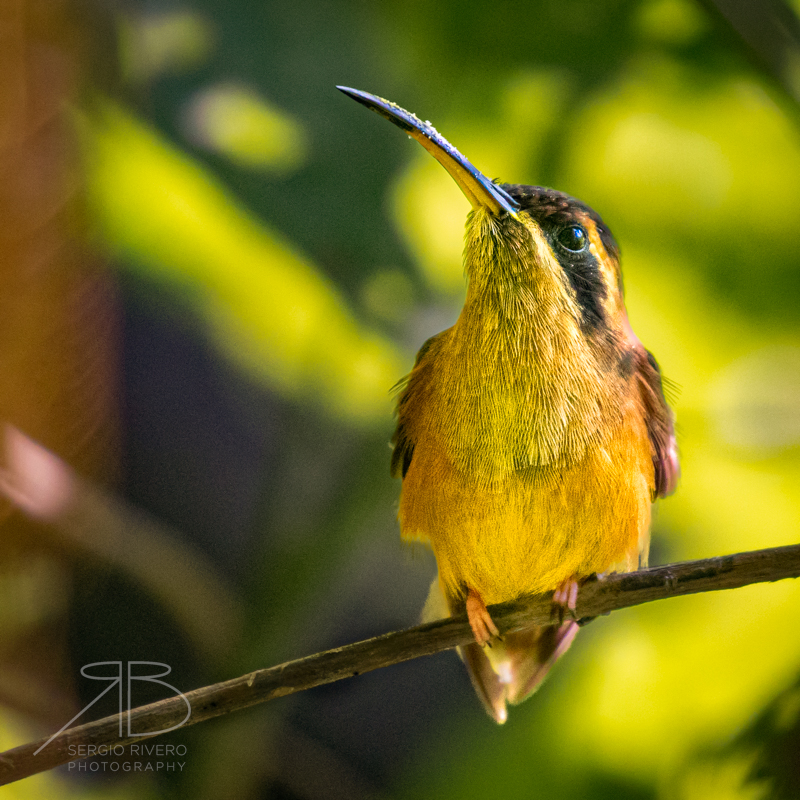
(533, 436)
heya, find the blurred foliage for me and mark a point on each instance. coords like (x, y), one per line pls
(760, 762)
(269, 308)
(280, 254)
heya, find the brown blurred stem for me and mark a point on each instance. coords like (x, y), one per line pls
(769, 31)
(596, 597)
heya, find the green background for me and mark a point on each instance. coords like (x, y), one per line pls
(281, 253)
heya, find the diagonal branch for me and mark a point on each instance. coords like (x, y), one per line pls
(596, 597)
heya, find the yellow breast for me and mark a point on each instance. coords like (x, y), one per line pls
(529, 531)
(531, 459)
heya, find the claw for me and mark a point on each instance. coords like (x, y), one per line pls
(572, 600)
(481, 622)
(565, 598)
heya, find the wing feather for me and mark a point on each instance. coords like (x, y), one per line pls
(660, 424)
(403, 441)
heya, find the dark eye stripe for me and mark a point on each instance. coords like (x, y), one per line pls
(582, 271)
(557, 213)
(590, 290)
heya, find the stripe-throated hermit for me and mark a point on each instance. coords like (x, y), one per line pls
(533, 435)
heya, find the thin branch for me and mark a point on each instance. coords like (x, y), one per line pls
(596, 597)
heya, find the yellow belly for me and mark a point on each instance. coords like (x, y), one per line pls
(528, 532)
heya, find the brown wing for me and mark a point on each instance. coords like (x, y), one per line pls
(402, 452)
(660, 424)
(403, 441)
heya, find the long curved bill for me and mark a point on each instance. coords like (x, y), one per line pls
(479, 190)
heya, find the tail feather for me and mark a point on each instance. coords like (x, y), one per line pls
(510, 669)
(532, 653)
(488, 685)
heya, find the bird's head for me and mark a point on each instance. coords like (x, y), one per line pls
(523, 239)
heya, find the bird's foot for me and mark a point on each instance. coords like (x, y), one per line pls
(565, 599)
(481, 622)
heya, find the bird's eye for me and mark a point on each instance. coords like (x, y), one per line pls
(573, 238)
